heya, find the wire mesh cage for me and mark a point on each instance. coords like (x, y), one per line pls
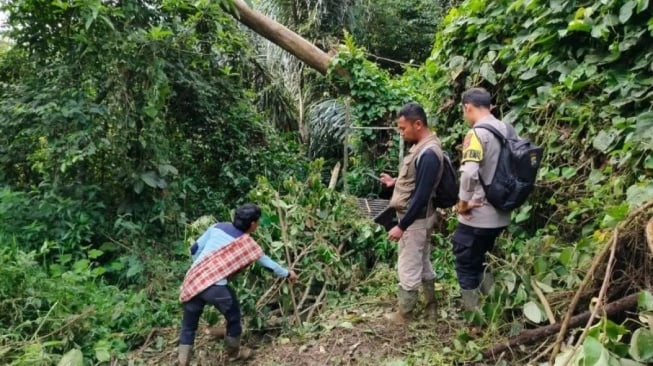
(378, 210)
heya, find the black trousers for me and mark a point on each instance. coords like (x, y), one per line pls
(470, 245)
(224, 299)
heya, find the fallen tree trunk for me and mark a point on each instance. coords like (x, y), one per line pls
(532, 335)
(283, 37)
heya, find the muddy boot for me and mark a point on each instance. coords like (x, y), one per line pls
(431, 309)
(407, 303)
(471, 301)
(234, 349)
(185, 353)
(487, 281)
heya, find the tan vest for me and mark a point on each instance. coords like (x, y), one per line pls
(405, 184)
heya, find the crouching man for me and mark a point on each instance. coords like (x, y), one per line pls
(222, 251)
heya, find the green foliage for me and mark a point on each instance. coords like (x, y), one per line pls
(573, 77)
(329, 253)
(119, 121)
(607, 343)
(397, 30)
(139, 106)
(376, 97)
(375, 100)
(49, 307)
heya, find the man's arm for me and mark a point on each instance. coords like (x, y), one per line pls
(275, 267)
(198, 246)
(469, 171)
(427, 172)
(468, 181)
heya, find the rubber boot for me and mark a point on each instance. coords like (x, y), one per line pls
(185, 354)
(407, 302)
(471, 301)
(234, 350)
(487, 281)
(431, 309)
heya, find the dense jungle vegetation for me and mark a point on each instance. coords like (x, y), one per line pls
(128, 126)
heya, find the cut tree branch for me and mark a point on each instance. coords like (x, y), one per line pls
(533, 335)
(283, 37)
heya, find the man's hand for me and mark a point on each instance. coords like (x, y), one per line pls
(292, 276)
(395, 233)
(387, 180)
(465, 208)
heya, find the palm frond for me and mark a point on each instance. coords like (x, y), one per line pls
(328, 125)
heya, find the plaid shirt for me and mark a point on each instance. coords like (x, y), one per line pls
(218, 265)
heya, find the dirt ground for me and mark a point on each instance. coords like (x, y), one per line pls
(354, 335)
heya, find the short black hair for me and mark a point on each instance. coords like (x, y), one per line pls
(245, 215)
(478, 97)
(413, 112)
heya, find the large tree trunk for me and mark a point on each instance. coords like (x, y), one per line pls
(283, 37)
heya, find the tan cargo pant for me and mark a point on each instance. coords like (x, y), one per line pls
(414, 263)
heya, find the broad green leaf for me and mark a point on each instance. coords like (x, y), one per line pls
(618, 212)
(509, 279)
(81, 265)
(165, 169)
(102, 349)
(532, 312)
(642, 5)
(644, 130)
(150, 178)
(604, 139)
(74, 357)
(541, 266)
(593, 351)
(638, 194)
(645, 301)
(626, 11)
(94, 253)
(528, 74)
(568, 172)
(523, 213)
(648, 163)
(613, 330)
(566, 255)
(641, 345)
(488, 73)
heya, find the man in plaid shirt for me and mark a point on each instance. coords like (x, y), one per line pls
(228, 246)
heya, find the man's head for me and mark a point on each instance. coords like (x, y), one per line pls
(246, 217)
(476, 104)
(412, 122)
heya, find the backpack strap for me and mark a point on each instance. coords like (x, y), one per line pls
(438, 152)
(512, 134)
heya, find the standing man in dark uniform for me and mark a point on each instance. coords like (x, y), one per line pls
(479, 223)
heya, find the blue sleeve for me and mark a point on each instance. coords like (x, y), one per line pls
(198, 246)
(268, 263)
(427, 171)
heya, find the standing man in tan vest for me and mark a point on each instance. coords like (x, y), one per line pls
(411, 198)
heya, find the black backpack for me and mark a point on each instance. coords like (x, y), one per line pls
(445, 191)
(516, 171)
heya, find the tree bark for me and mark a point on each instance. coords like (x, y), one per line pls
(283, 37)
(533, 335)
